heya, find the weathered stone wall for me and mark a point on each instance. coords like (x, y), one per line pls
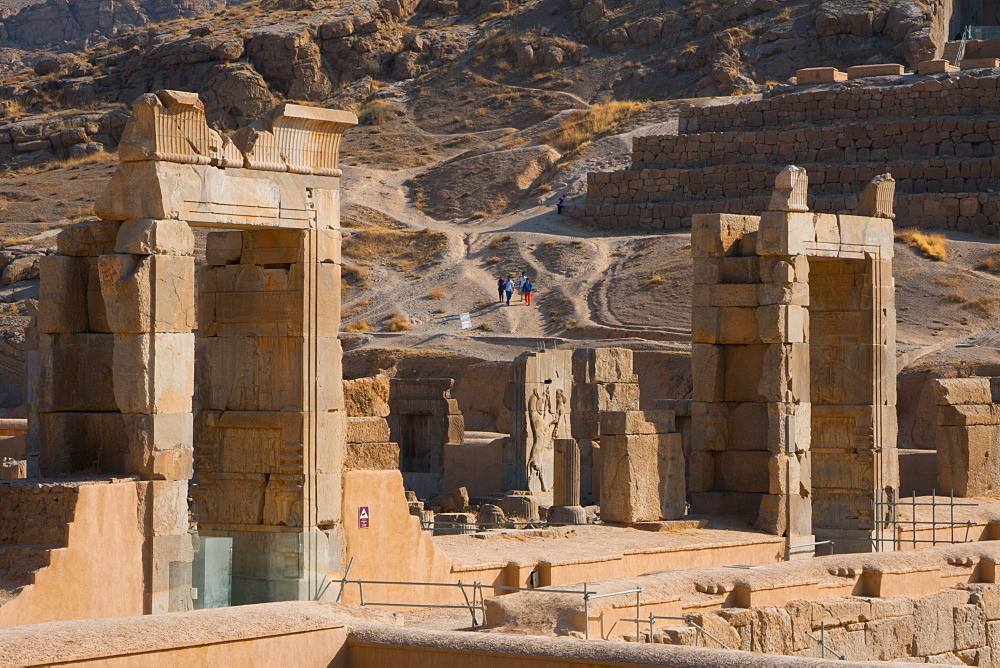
(937, 137)
(968, 427)
(965, 95)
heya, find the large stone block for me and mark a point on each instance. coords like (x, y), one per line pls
(602, 365)
(975, 390)
(708, 364)
(154, 373)
(155, 237)
(160, 445)
(719, 234)
(62, 294)
(367, 430)
(785, 233)
(223, 247)
(72, 442)
(148, 293)
(88, 239)
(75, 372)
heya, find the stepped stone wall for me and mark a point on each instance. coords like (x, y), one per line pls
(937, 137)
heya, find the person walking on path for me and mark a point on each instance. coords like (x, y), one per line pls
(520, 284)
(501, 287)
(508, 289)
(526, 291)
(563, 201)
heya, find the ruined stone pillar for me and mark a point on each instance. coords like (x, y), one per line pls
(602, 381)
(271, 424)
(74, 419)
(566, 507)
(642, 467)
(539, 396)
(149, 296)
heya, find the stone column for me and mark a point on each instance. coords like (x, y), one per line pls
(566, 487)
(149, 296)
(642, 467)
(602, 381)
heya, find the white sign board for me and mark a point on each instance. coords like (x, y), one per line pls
(466, 320)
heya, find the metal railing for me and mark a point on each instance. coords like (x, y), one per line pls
(689, 620)
(430, 525)
(477, 604)
(823, 648)
(893, 524)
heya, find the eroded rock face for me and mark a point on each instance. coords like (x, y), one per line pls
(912, 26)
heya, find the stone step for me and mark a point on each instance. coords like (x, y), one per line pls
(951, 51)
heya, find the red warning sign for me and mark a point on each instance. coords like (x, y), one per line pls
(363, 517)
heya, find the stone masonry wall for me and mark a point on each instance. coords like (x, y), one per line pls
(959, 626)
(965, 95)
(936, 136)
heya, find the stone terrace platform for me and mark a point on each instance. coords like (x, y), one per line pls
(937, 135)
(599, 551)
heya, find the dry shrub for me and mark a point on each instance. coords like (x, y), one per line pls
(400, 249)
(358, 327)
(378, 112)
(483, 303)
(497, 242)
(355, 276)
(580, 127)
(931, 246)
(485, 327)
(990, 264)
(397, 322)
(956, 298)
(355, 309)
(983, 307)
(436, 293)
(491, 260)
(653, 281)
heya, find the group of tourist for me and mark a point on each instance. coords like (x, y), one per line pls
(505, 288)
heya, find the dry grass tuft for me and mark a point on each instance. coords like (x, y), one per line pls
(956, 298)
(497, 242)
(399, 249)
(485, 327)
(990, 264)
(492, 260)
(355, 309)
(358, 327)
(397, 322)
(483, 303)
(931, 246)
(654, 281)
(354, 276)
(581, 127)
(436, 293)
(984, 307)
(378, 112)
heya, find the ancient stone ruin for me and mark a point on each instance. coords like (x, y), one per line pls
(191, 433)
(793, 354)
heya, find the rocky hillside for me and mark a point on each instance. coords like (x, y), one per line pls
(243, 57)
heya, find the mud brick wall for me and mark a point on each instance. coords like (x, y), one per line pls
(726, 157)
